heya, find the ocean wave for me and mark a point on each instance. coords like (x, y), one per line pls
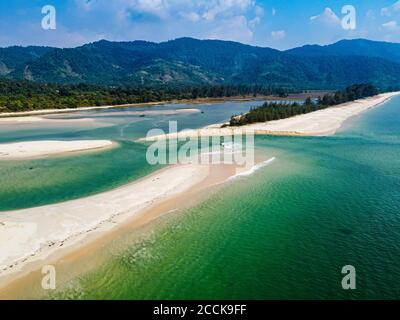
(252, 170)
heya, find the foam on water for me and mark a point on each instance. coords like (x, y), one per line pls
(252, 170)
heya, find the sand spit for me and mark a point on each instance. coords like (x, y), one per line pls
(33, 234)
(34, 149)
(319, 123)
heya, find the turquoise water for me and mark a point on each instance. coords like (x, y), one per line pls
(39, 182)
(283, 233)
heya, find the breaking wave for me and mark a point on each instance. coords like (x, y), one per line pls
(253, 169)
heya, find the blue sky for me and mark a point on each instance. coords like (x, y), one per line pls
(279, 24)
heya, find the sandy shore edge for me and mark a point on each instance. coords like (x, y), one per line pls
(34, 234)
(25, 114)
(30, 238)
(324, 122)
(36, 149)
(57, 117)
(6, 115)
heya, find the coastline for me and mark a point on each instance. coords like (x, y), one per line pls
(32, 235)
(324, 122)
(50, 233)
(42, 119)
(37, 149)
(84, 227)
(5, 115)
(68, 110)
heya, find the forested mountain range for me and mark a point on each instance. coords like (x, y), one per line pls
(189, 62)
(358, 47)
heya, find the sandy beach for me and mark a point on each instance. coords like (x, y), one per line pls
(34, 113)
(64, 232)
(30, 234)
(35, 149)
(324, 122)
(57, 118)
(42, 120)
(30, 237)
(68, 110)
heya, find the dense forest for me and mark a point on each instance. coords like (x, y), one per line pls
(113, 73)
(275, 111)
(26, 95)
(192, 62)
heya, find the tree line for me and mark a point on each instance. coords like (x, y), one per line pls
(26, 95)
(275, 111)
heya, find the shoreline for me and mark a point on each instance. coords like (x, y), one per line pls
(40, 149)
(31, 238)
(324, 122)
(57, 119)
(32, 235)
(67, 228)
(19, 114)
(42, 112)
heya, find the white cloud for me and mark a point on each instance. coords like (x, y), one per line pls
(192, 10)
(259, 11)
(155, 7)
(234, 29)
(191, 16)
(152, 20)
(278, 35)
(206, 9)
(254, 22)
(391, 10)
(123, 8)
(225, 7)
(391, 31)
(327, 17)
(390, 26)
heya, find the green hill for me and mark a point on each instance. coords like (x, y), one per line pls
(191, 62)
(358, 47)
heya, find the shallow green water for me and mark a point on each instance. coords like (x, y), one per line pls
(32, 183)
(285, 232)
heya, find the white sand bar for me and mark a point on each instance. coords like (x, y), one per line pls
(319, 123)
(31, 234)
(33, 149)
(43, 120)
(323, 122)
